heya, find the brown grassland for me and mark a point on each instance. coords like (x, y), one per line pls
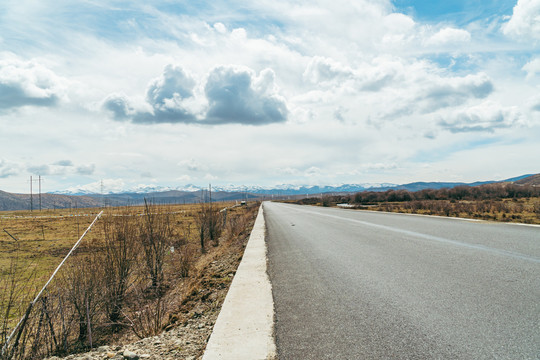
(495, 202)
(133, 275)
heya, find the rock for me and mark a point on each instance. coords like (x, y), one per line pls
(103, 349)
(110, 354)
(130, 355)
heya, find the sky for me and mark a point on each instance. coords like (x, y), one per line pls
(268, 92)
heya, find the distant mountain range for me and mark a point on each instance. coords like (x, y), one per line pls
(9, 201)
(284, 189)
(193, 194)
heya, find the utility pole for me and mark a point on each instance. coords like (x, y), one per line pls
(39, 182)
(210, 192)
(102, 196)
(31, 199)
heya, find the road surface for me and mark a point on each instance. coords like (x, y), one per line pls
(363, 285)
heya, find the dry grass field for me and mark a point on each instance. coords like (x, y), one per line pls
(495, 202)
(508, 210)
(165, 250)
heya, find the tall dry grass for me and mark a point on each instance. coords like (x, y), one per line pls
(116, 282)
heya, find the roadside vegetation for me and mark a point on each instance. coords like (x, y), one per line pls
(498, 202)
(137, 272)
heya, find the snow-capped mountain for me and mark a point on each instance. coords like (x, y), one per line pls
(109, 188)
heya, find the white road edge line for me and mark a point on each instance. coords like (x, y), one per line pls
(244, 328)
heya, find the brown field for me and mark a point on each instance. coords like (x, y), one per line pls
(508, 202)
(524, 210)
(45, 237)
(508, 210)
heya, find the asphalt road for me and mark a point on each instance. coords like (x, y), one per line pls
(363, 285)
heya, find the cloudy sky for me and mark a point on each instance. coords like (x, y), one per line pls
(267, 92)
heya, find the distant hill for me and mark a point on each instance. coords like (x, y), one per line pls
(193, 194)
(170, 197)
(533, 180)
(9, 201)
(417, 186)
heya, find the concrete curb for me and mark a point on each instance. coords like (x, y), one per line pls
(245, 325)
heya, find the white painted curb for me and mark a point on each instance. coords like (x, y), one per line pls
(245, 325)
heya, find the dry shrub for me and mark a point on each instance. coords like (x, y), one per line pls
(155, 236)
(83, 288)
(236, 224)
(209, 224)
(536, 209)
(147, 312)
(17, 290)
(184, 260)
(119, 255)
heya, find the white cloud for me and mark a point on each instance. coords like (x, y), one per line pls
(174, 83)
(532, 67)
(193, 165)
(326, 72)
(118, 104)
(422, 88)
(485, 117)
(8, 169)
(64, 163)
(62, 167)
(323, 70)
(397, 23)
(220, 28)
(85, 169)
(524, 24)
(210, 177)
(238, 95)
(534, 103)
(45, 170)
(448, 36)
(239, 34)
(312, 172)
(28, 83)
(324, 78)
(184, 178)
(379, 166)
(234, 95)
(452, 91)
(381, 72)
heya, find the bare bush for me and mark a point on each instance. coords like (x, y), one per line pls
(17, 288)
(83, 287)
(117, 261)
(146, 315)
(155, 235)
(536, 209)
(185, 259)
(209, 224)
